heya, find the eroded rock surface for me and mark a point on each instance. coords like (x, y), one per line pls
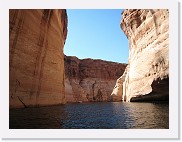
(91, 80)
(147, 74)
(37, 39)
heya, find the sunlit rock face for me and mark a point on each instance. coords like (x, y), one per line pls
(146, 76)
(91, 80)
(36, 61)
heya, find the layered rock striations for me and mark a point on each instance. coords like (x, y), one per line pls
(91, 80)
(146, 76)
(36, 61)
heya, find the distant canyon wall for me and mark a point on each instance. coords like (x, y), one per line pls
(36, 61)
(91, 80)
(146, 76)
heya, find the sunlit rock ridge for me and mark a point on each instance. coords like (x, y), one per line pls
(146, 76)
(36, 63)
(90, 80)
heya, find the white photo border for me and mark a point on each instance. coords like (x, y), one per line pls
(171, 133)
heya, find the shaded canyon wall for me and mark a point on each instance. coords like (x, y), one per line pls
(91, 80)
(36, 61)
(146, 76)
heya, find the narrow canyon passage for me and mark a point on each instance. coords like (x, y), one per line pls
(146, 77)
(40, 73)
(92, 65)
(49, 88)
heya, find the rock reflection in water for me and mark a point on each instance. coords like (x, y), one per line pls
(103, 115)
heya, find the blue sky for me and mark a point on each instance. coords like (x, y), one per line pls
(96, 34)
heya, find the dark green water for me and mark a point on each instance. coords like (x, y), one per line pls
(103, 115)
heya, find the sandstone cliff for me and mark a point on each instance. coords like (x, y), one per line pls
(36, 61)
(146, 76)
(91, 80)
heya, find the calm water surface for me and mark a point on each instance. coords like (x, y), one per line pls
(103, 115)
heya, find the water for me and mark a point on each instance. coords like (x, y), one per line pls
(103, 115)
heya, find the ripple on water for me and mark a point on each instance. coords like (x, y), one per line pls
(103, 115)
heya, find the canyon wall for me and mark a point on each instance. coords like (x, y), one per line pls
(36, 59)
(146, 77)
(91, 80)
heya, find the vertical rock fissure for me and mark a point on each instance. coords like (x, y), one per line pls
(93, 90)
(18, 31)
(13, 21)
(43, 43)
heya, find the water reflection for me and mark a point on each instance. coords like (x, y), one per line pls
(104, 115)
(149, 115)
(38, 118)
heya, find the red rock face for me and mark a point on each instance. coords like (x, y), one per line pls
(90, 80)
(37, 39)
(146, 77)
